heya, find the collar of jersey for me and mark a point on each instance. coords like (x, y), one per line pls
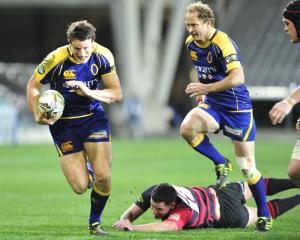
(211, 35)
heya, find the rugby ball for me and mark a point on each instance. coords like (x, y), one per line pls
(50, 102)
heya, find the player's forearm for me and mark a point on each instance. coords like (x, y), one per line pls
(128, 215)
(155, 227)
(232, 80)
(294, 97)
(107, 95)
(132, 213)
(33, 94)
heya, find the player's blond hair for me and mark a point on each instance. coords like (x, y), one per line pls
(203, 11)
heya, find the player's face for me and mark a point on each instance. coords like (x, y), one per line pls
(290, 29)
(198, 29)
(160, 210)
(81, 50)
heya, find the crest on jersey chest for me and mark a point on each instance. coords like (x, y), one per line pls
(209, 57)
(94, 69)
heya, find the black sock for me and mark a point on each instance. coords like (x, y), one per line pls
(274, 185)
(280, 206)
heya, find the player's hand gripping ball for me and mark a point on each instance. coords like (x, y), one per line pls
(50, 103)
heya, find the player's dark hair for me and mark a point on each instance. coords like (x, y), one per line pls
(292, 12)
(165, 193)
(81, 30)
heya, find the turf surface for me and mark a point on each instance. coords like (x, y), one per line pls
(37, 203)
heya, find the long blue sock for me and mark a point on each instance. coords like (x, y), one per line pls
(98, 203)
(203, 146)
(258, 190)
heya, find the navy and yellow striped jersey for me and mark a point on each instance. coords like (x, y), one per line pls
(212, 62)
(59, 66)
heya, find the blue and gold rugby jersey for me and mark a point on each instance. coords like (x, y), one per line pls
(212, 63)
(59, 66)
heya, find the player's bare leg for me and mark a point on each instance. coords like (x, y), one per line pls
(294, 166)
(246, 159)
(100, 156)
(193, 128)
(294, 171)
(75, 171)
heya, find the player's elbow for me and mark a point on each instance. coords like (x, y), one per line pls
(118, 95)
(237, 77)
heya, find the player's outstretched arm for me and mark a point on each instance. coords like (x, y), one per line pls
(281, 109)
(132, 213)
(165, 226)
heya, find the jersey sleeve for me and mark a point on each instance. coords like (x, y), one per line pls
(106, 59)
(230, 52)
(180, 216)
(44, 69)
(144, 199)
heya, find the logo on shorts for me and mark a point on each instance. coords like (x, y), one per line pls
(67, 146)
(204, 105)
(237, 132)
(99, 134)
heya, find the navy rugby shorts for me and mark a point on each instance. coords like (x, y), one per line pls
(69, 135)
(237, 125)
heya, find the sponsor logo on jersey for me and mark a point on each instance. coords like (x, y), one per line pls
(67, 146)
(69, 74)
(231, 58)
(194, 55)
(99, 134)
(174, 216)
(206, 70)
(237, 132)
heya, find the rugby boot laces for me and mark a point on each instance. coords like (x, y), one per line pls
(264, 224)
(96, 229)
(222, 171)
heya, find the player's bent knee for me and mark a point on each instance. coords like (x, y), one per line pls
(79, 186)
(295, 177)
(79, 189)
(104, 184)
(251, 175)
(296, 151)
(186, 130)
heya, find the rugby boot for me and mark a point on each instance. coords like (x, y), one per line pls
(91, 180)
(264, 224)
(96, 229)
(222, 171)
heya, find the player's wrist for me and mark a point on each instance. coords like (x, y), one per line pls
(290, 101)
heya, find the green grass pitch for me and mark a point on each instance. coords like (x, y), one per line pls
(37, 203)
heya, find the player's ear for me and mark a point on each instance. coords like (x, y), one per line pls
(172, 205)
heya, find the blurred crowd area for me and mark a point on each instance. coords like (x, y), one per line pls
(147, 40)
